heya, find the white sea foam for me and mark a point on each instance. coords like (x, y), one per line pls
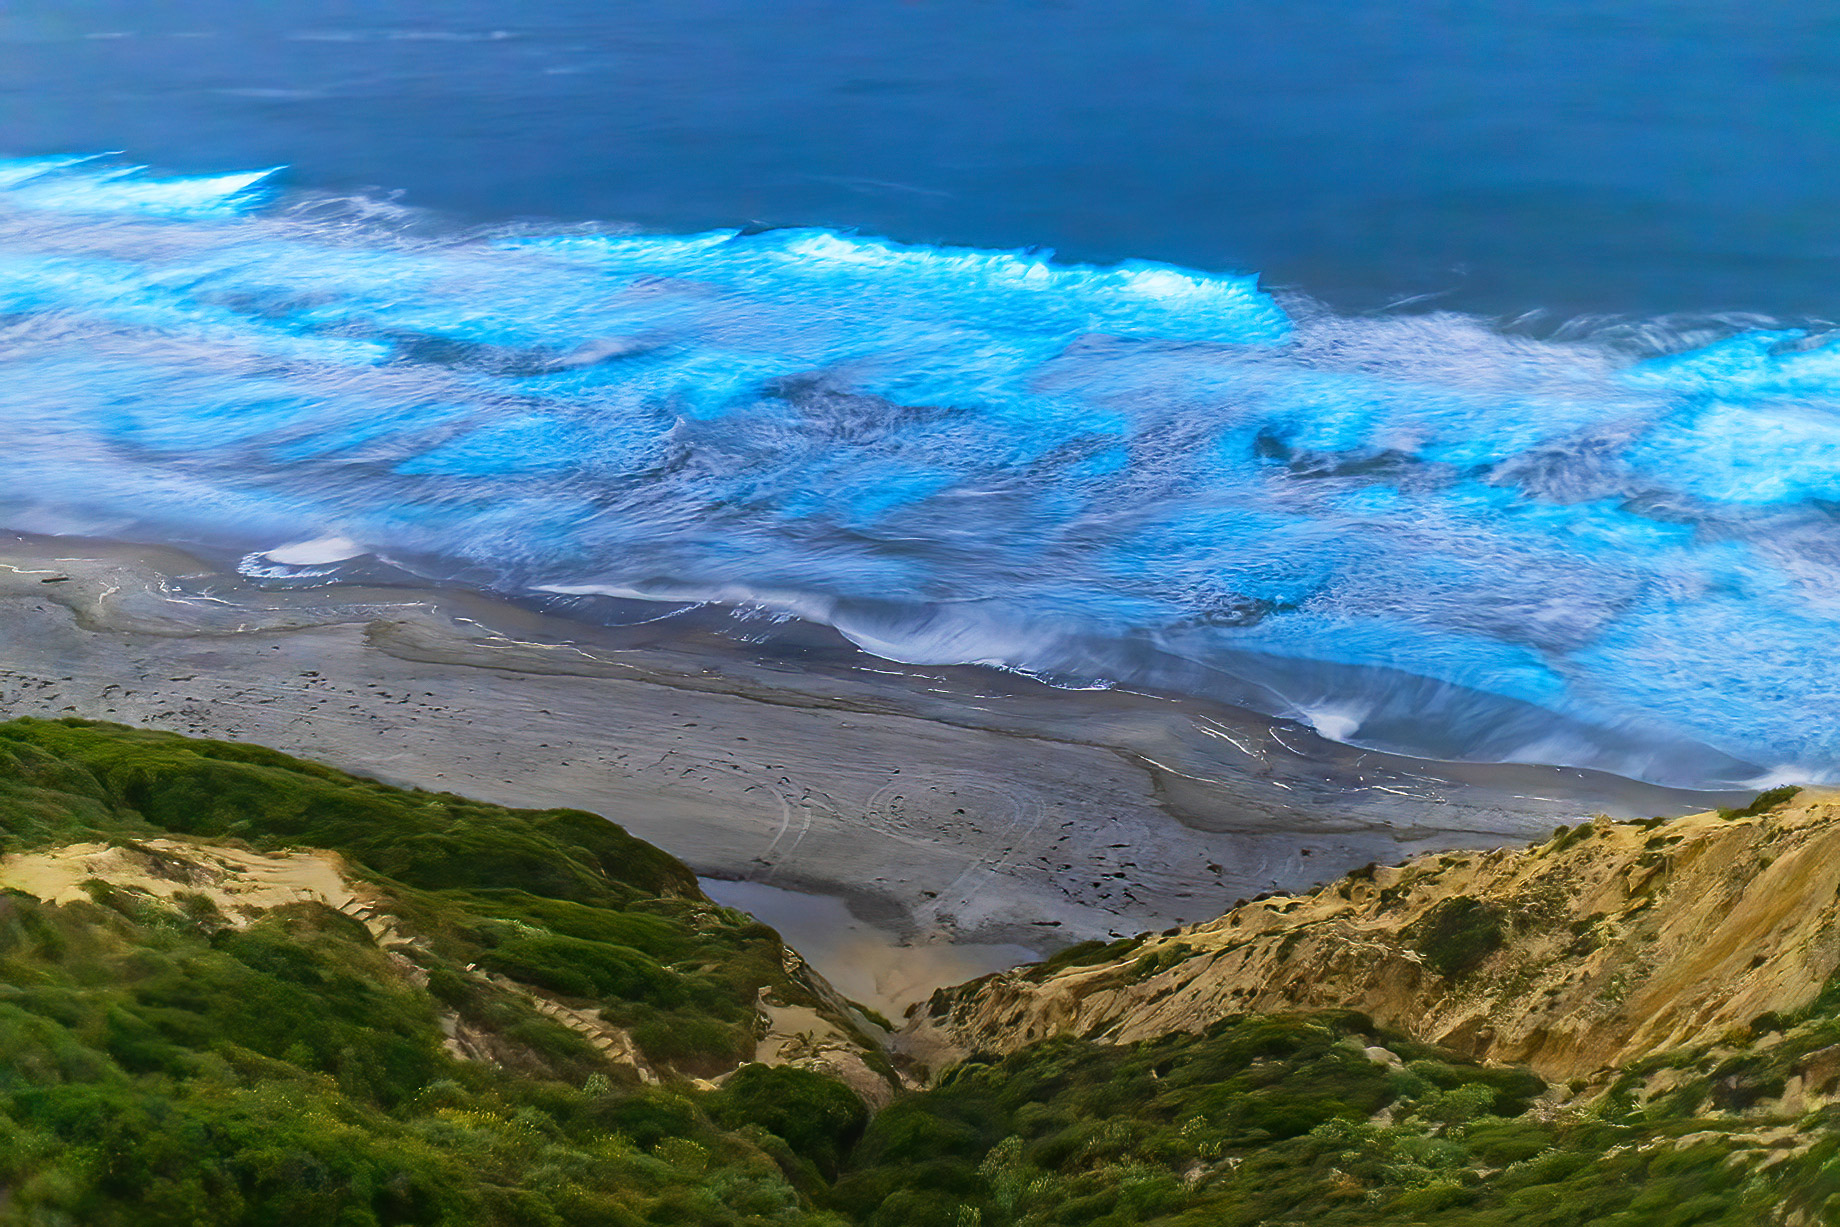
(1413, 531)
(82, 184)
(317, 552)
(1339, 722)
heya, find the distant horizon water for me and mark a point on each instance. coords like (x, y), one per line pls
(1639, 157)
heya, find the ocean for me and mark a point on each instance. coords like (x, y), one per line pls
(1450, 379)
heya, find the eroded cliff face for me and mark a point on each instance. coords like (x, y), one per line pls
(1608, 942)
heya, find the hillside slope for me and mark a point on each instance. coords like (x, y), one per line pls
(1605, 944)
(1671, 985)
(237, 987)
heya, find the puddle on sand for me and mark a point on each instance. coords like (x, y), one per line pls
(866, 964)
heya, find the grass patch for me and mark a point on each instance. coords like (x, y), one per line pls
(1763, 803)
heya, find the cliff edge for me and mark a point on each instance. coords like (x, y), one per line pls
(1608, 942)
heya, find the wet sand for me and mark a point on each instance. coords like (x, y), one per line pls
(866, 963)
(955, 805)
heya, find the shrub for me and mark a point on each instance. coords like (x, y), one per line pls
(158, 1065)
(1763, 802)
(818, 1117)
(1458, 935)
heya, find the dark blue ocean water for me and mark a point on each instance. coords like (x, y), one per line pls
(1559, 155)
(1452, 378)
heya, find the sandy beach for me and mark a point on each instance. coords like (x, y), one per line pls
(961, 808)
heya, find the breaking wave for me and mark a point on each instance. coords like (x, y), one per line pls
(1427, 533)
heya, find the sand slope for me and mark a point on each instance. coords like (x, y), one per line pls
(1575, 956)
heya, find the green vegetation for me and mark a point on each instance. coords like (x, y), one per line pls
(1284, 1121)
(155, 1070)
(1763, 802)
(559, 899)
(1086, 954)
(160, 1064)
(816, 1116)
(1458, 935)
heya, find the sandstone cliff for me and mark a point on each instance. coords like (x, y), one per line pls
(1607, 942)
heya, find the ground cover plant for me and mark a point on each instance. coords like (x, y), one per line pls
(1289, 1121)
(162, 1064)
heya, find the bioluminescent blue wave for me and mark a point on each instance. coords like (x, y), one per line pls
(1412, 532)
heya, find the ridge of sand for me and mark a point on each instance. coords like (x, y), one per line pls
(242, 884)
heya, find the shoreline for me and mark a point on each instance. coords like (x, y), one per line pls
(956, 806)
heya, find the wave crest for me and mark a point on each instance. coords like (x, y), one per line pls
(1425, 531)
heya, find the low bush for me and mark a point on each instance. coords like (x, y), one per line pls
(161, 1064)
(818, 1118)
(1458, 935)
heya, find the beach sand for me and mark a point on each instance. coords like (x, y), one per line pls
(955, 806)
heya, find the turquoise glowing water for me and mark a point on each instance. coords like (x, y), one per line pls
(1618, 548)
